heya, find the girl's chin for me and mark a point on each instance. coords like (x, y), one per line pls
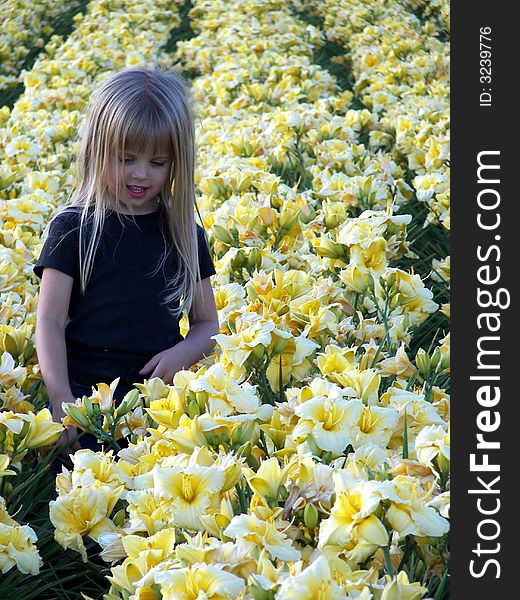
(138, 208)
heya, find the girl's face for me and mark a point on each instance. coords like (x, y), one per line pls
(144, 177)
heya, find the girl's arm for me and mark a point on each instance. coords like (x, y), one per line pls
(197, 343)
(51, 318)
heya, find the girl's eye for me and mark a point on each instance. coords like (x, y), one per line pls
(121, 159)
(157, 164)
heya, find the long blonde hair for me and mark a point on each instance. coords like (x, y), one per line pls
(140, 107)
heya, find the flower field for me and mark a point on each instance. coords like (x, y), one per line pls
(308, 457)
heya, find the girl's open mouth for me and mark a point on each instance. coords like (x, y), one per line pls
(136, 191)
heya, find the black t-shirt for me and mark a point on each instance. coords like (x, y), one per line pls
(120, 323)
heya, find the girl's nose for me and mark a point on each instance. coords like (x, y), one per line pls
(139, 171)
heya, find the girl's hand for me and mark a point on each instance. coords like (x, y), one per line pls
(164, 365)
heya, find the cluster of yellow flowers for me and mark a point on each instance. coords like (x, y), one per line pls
(24, 26)
(309, 457)
(36, 140)
(401, 72)
(436, 13)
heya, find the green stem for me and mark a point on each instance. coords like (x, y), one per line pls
(241, 498)
(388, 562)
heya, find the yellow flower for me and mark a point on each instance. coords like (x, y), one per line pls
(9, 374)
(331, 420)
(188, 435)
(153, 389)
(83, 511)
(371, 257)
(148, 512)
(92, 468)
(375, 426)
(252, 331)
(399, 365)
(166, 410)
(17, 548)
(42, 430)
(352, 514)
(262, 533)
(224, 394)
(191, 490)
(268, 479)
(163, 540)
(199, 581)
(217, 519)
(399, 588)
(104, 396)
(365, 383)
(433, 442)
(313, 583)
(355, 278)
(409, 514)
(335, 359)
(294, 362)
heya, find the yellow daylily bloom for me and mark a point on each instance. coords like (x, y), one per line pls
(191, 490)
(104, 396)
(163, 540)
(224, 394)
(433, 444)
(332, 421)
(166, 410)
(17, 549)
(409, 513)
(399, 365)
(313, 583)
(83, 511)
(352, 513)
(148, 512)
(42, 430)
(263, 534)
(375, 426)
(399, 588)
(199, 581)
(268, 479)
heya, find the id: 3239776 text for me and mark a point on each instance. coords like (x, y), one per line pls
(485, 66)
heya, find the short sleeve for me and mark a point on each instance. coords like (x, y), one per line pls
(207, 267)
(60, 248)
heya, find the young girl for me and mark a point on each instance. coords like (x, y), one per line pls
(125, 258)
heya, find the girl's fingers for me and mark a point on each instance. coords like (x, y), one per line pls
(151, 364)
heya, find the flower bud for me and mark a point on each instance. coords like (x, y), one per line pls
(279, 343)
(76, 414)
(310, 516)
(436, 358)
(244, 433)
(128, 403)
(119, 518)
(193, 409)
(201, 399)
(422, 360)
(443, 463)
(89, 407)
(222, 234)
(259, 351)
(252, 258)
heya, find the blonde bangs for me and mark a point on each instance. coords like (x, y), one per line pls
(145, 130)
